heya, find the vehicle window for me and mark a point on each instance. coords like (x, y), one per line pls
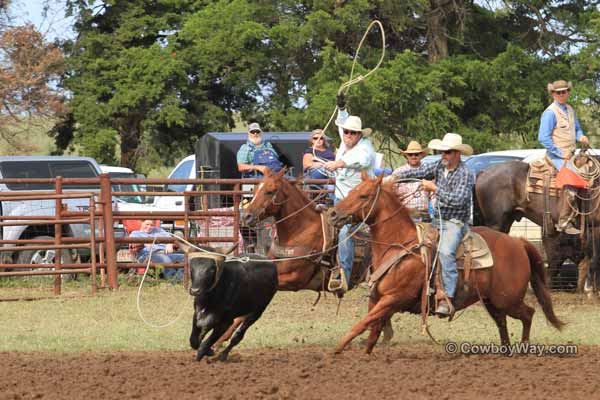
(45, 170)
(127, 188)
(478, 164)
(182, 172)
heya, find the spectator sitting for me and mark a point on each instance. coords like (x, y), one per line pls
(161, 252)
(316, 154)
(256, 155)
(314, 158)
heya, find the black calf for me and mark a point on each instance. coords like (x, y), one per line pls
(225, 290)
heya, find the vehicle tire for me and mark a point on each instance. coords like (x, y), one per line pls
(47, 256)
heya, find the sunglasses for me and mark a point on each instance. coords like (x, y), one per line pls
(448, 151)
(318, 138)
(561, 92)
(351, 133)
(413, 155)
(255, 132)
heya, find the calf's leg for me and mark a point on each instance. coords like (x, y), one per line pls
(239, 334)
(218, 330)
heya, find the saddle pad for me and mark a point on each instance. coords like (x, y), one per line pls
(481, 256)
(480, 251)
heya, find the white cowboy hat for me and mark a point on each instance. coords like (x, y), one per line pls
(354, 123)
(415, 148)
(451, 141)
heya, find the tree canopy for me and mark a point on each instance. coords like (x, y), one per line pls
(154, 76)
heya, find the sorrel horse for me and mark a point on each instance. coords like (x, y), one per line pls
(502, 198)
(298, 228)
(502, 288)
(299, 231)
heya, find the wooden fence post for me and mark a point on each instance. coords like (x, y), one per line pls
(109, 233)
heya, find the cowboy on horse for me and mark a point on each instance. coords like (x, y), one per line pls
(559, 132)
(452, 183)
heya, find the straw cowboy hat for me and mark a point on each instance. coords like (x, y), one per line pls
(415, 148)
(559, 85)
(451, 141)
(353, 123)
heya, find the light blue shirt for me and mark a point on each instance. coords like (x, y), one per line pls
(361, 156)
(547, 124)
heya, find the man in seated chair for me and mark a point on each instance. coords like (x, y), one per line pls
(256, 155)
(162, 253)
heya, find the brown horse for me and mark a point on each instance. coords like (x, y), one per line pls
(502, 199)
(502, 287)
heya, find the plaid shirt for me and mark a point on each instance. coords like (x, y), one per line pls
(417, 199)
(454, 192)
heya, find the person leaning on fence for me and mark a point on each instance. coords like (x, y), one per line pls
(559, 132)
(414, 198)
(356, 153)
(317, 153)
(162, 253)
(256, 155)
(452, 183)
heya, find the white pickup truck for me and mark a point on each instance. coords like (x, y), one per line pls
(44, 167)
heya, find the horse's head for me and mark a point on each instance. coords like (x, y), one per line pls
(359, 204)
(267, 199)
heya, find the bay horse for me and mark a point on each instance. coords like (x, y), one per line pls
(502, 288)
(502, 198)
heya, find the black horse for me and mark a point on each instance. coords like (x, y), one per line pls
(502, 198)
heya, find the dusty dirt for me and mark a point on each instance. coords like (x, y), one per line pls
(415, 372)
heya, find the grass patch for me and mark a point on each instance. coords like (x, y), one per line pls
(77, 322)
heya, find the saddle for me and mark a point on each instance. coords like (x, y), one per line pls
(541, 178)
(472, 253)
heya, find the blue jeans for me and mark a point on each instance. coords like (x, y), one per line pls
(161, 258)
(452, 232)
(556, 160)
(346, 248)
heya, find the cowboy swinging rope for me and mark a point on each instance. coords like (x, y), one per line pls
(344, 87)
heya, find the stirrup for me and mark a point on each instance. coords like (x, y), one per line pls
(337, 281)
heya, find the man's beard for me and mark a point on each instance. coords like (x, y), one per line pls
(444, 162)
(255, 140)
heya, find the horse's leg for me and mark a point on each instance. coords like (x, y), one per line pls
(582, 274)
(380, 310)
(524, 313)
(227, 335)
(388, 331)
(374, 335)
(499, 317)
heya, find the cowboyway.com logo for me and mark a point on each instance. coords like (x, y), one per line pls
(511, 350)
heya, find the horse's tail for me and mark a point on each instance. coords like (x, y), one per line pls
(540, 285)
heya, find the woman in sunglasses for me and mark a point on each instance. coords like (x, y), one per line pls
(559, 132)
(317, 153)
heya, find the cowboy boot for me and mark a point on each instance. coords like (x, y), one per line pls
(568, 212)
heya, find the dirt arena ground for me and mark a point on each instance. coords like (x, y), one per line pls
(415, 372)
